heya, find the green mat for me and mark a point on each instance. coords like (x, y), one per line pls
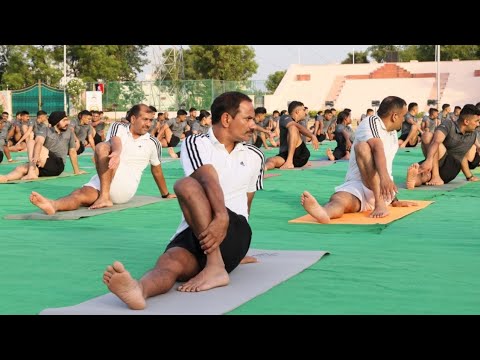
(84, 212)
(425, 263)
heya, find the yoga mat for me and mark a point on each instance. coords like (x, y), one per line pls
(43, 178)
(314, 164)
(455, 183)
(363, 219)
(246, 282)
(136, 201)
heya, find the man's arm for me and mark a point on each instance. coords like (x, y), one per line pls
(250, 196)
(157, 173)
(304, 131)
(74, 160)
(116, 146)
(25, 136)
(216, 231)
(388, 188)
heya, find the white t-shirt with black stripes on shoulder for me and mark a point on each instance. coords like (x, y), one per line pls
(372, 127)
(136, 153)
(240, 172)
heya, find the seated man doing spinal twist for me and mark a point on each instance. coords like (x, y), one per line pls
(120, 162)
(222, 175)
(369, 182)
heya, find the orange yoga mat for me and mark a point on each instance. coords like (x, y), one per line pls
(363, 219)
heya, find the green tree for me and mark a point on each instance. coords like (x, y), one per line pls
(220, 62)
(360, 58)
(379, 52)
(274, 80)
(106, 62)
(26, 64)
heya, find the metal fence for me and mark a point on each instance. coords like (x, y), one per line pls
(174, 95)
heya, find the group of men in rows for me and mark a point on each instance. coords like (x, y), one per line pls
(223, 172)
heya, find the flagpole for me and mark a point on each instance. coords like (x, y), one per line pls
(65, 78)
(437, 58)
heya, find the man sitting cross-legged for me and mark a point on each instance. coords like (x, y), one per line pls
(120, 162)
(369, 182)
(447, 151)
(293, 151)
(222, 175)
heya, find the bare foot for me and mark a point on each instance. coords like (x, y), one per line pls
(101, 203)
(3, 179)
(330, 155)
(248, 260)
(121, 283)
(44, 204)
(412, 173)
(474, 179)
(172, 153)
(30, 177)
(380, 211)
(403, 145)
(435, 181)
(210, 277)
(311, 206)
(287, 166)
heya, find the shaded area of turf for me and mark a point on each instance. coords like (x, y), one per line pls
(425, 263)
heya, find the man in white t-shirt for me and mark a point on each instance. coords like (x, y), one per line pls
(222, 175)
(120, 162)
(369, 182)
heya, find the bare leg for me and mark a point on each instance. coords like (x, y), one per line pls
(198, 214)
(330, 155)
(102, 150)
(19, 172)
(340, 203)
(436, 180)
(294, 140)
(274, 162)
(427, 137)
(370, 177)
(411, 138)
(7, 153)
(84, 196)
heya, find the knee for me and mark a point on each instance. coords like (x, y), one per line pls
(362, 149)
(185, 187)
(102, 148)
(427, 137)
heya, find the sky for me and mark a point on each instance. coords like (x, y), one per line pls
(271, 58)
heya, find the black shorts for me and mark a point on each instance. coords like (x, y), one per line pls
(448, 167)
(300, 156)
(1, 156)
(339, 153)
(471, 164)
(174, 141)
(258, 142)
(403, 137)
(233, 248)
(97, 139)
(54, 166)
(321, 137)
(81, 149)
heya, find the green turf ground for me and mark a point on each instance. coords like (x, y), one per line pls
(425, 263)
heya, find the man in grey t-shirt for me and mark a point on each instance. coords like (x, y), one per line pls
(445, 151)
(172, 132)
(409, 137)
(290, 131)
(48, 152)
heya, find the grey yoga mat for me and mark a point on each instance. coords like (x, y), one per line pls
(43, 178)
(246, 282)
(136, 201)
(314, 164)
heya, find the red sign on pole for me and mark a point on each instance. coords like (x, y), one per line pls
(99, 87)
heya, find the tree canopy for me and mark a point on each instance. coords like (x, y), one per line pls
(274, 80)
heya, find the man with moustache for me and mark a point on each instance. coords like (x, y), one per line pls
(48, 152)
(120, 162)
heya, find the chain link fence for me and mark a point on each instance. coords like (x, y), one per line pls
(174, 95)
